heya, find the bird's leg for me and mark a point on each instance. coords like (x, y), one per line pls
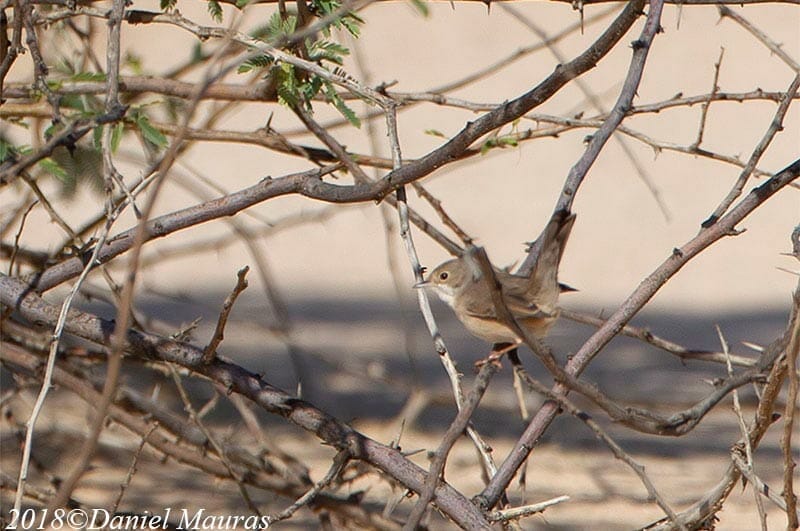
(498, 349)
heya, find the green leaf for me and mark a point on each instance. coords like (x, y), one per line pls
(311, 88)
(422, 7)
(499, 142)
(287, 86)
(326, 51)
(255, 63)
(134, 62)
(88, 76)
(168, 4)
(197, 54)
(434, 132)
(74, 101)
(278, 26)
(116, 136)
(97, 137)
(7, 150)
(54, 168)
(352, 23)
(504, 141)
(52, 129)
(215, 10)
(86, 104)
(340, 105)
(150, 133)
(242, 3)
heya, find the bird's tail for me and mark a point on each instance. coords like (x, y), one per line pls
(544, 276)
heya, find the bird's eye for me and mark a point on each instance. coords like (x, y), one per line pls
(443, 275)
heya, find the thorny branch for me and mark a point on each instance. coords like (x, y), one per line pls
(40, 360)
(236, 379)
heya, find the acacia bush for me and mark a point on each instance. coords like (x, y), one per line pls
(122, 151)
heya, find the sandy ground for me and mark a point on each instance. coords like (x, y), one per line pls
(369, 381)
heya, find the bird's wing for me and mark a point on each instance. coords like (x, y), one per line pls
(479, 306)
(522, 308)
(484, 308)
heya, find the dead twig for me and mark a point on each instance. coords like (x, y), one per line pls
(219, 332)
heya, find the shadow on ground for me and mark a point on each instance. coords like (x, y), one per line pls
(359, 360)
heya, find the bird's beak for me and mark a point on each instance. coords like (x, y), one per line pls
(422, 284)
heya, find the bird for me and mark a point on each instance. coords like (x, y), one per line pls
(531, 299)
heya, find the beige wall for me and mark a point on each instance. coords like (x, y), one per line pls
(503, 198)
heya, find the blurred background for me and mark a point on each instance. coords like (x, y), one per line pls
(346, 329)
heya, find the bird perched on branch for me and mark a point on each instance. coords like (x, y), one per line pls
(531, 300)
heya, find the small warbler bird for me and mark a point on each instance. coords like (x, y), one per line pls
(530, 299)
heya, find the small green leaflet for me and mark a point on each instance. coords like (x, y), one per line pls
(7, 150)
(421, 7)
(88, 76)
(116, 136)
(54, 168)
(150, 133)
(326, 51)
(215, 10)
(340, 105)
(255, 63)
(499, 142)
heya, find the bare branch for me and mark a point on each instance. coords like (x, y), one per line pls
(219, 332)
(623, 314)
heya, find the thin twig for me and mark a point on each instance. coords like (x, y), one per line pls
(725, 11)
(207, 32)
(339, 462)
(219, 332)
(60, 325)
(789, 415)
(648, 337)
(707, 104)
(196, 418)
(454, 431)
(775, 126)
(131, 469)
(759, 487)
(445, 358)
(51, 211)
(465, 238)
(705, 508)
(18, 235)
(748, 447)
(515, 513)
(236, 379)
(194, 453)
(595, 102)
(117, 340)
(68, 135)
(615, 448)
